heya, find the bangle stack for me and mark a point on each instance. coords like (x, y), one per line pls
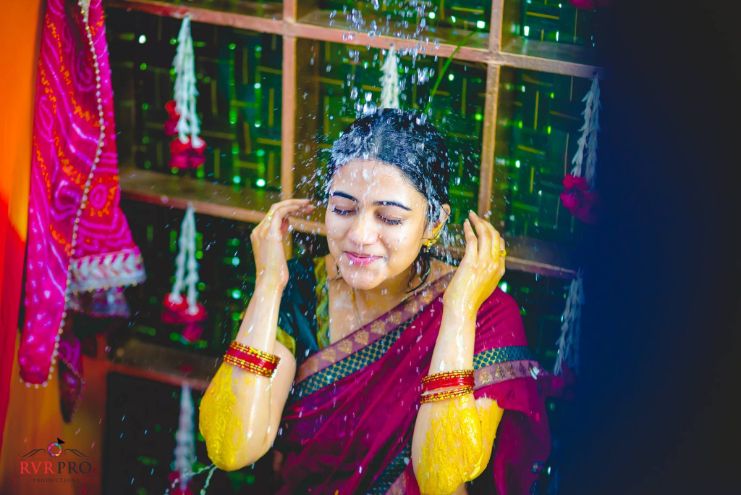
(251, 359)
(459, 383)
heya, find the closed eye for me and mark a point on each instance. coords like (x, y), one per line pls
(386, 220)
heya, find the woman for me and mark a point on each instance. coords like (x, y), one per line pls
(383, 369)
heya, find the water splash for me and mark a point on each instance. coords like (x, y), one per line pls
(211, 468)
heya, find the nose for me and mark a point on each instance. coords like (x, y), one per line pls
(363, 230)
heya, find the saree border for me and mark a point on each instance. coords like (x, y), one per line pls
(393, 473)
(371, 332)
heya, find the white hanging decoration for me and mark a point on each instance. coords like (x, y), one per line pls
(186, 266)
(188, 126)
(390, 81)
(568, 342)
(184, 452)
(587, 143)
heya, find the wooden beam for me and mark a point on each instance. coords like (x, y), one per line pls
(539, 60)
(496, 27)
(518, 53)
(251, 21)
(288, 117)
(290, 8)
(162, 364)
(488, 145)
(217, 200)
(428, 47)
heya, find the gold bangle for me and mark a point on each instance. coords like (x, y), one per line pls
(255, 352)
(447, 374)
(240, 363)
(449, 394)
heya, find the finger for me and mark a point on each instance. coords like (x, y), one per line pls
(482, 233)
(471, 241)
(497, 242)
(280, 216)
(280, 208)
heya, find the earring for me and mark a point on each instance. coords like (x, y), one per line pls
(435, 235)
(338, 275)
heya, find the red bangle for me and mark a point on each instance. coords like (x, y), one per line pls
(247, 366)
(447, 394)
(256, 352)
(445, 382)
(251, 359)
(446, 374)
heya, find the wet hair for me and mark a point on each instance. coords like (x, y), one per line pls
(407, 141)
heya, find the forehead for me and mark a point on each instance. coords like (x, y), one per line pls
(374, 180)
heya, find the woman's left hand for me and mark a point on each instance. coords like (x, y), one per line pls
(481, 268)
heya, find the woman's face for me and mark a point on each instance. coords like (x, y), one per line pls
(375, 222)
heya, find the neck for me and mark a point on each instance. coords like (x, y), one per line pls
(381, 298)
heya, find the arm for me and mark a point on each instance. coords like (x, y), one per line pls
(453, 439)
(241, 411)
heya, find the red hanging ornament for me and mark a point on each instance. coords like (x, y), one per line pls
(578, 195)
(180, 306)
(187, 149)
(186, 155)
(171, 125)
(590, 4)
(173, 478)
(578, 199)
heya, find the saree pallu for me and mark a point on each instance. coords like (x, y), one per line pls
(80, 250)
(349, 421)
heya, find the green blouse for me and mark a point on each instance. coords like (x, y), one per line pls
(303, 319)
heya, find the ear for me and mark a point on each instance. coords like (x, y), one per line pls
(444, 216)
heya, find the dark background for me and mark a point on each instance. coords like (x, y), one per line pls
(660, 355)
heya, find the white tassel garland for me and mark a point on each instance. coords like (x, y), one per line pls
(186, 261)
(390, 81)
(568, 342)
(587, 143)
(184, 452)
(185, 90)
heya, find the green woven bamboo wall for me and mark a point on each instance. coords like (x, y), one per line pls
(240, 84)
(555, 21)
(538, 128)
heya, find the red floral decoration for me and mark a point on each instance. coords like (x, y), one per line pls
(175, 311)
(578, 199)
(590, 4)
(176, 490)
(559, 386)
(183, 155)
(171, 125)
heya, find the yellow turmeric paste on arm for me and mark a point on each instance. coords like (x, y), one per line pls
(458, 444)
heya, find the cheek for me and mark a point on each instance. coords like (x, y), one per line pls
(336, 228)
(403, 242)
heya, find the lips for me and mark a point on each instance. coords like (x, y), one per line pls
(360, 258)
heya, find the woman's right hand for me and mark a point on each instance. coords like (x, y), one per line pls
(267, 241)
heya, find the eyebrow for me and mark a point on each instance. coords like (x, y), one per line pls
(380, 203)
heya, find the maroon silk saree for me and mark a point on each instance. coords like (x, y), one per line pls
(349, 422)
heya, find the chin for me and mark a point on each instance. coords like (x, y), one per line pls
(361, 277)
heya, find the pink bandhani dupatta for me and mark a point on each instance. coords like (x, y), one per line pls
(348, 425)
(80, 250)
